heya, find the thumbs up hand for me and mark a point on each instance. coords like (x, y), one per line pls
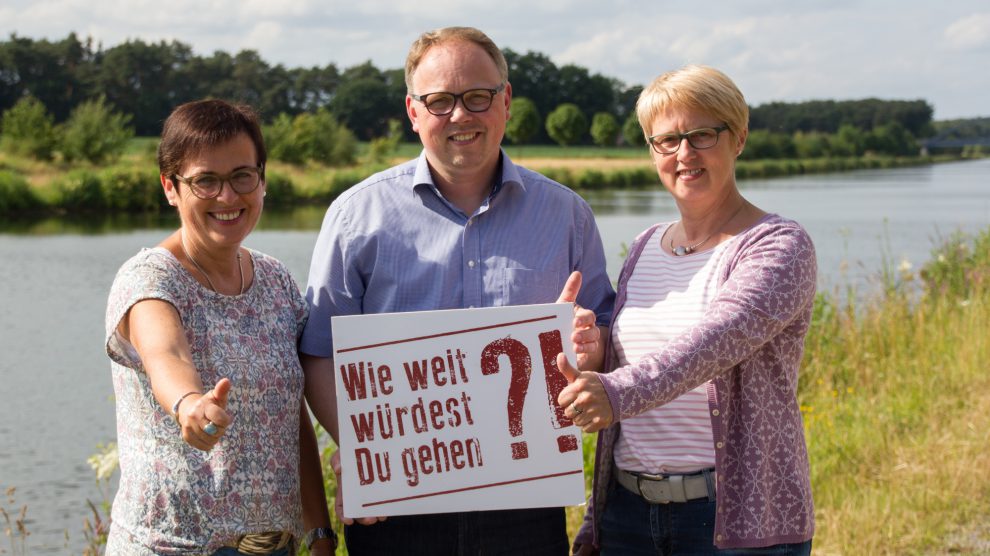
(584, 399)
(204, 419)
(587, 338)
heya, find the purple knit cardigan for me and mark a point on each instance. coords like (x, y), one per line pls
(749, 344)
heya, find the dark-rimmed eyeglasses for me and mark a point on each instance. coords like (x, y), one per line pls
(702, 138)
(208, 186)
(442, 103)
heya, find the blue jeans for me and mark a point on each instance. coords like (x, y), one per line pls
(227, 551)
(632, 526)
(527, 532)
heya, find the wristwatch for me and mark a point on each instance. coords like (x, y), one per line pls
(320, 533)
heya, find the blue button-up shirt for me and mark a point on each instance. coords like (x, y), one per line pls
(392, 243)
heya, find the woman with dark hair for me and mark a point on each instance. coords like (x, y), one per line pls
(217, 451)
(701, 449)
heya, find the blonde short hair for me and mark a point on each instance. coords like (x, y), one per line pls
(433, 38)
(700, 88)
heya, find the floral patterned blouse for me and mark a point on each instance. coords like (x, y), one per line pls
(173, 498)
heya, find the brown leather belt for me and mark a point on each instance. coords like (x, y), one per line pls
(261, 543)
(663, 489)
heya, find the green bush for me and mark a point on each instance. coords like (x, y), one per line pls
(567, 124)
(525, 121)
(604, 129)
(95, 133)
(131, 189)
(632, 133)
(812, 144)
(380, 149)
(79, 190)
(762, 144)
(315, 137)
(15, 194)
(280, 141)
(28, 129)
(590, 179)
(279, 188)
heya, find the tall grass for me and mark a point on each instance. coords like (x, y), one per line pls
(893, 393)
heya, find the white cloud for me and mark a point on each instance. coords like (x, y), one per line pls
(969, 32)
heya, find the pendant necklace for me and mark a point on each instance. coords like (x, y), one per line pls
(682, 250)
(240, 269)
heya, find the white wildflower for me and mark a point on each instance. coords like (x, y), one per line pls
(105, 461)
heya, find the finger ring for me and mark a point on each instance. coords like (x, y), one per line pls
(210, 428)
(577, 410)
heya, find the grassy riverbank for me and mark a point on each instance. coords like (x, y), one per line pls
(131, 183)
(893, 394)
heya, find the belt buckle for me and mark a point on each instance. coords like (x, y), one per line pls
(663, 485)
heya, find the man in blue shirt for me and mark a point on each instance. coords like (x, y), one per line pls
(461, 226)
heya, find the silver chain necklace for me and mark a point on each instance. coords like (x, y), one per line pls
(240, 269)
(682, 250)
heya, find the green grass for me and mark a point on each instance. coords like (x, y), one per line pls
(893, 394)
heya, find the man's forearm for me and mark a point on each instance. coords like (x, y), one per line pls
(321, 391)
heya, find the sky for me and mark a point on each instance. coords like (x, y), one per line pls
(791, 51)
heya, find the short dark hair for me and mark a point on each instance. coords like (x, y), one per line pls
(203, 124)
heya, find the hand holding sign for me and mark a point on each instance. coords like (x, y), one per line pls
(584, 398)
(338, 504)
(586, 337)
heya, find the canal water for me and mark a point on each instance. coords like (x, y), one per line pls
(55, 275)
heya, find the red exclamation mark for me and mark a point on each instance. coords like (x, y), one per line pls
(551, 345)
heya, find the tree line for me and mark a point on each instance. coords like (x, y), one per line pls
(566, 104)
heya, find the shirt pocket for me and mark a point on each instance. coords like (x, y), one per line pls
(523, 286)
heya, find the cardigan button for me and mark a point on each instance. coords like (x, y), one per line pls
(715, 412)
(720, 445)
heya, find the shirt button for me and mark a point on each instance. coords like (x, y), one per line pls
(471, 263)
(715, 412)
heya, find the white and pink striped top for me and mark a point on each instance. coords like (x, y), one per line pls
(666, 294)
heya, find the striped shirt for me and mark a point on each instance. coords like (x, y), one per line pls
(666, 295)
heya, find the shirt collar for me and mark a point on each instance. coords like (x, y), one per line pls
(510, 175)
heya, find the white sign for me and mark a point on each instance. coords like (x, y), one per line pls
(443, 411)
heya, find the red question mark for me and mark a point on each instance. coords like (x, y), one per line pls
(522, 368)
